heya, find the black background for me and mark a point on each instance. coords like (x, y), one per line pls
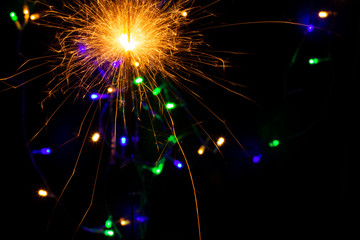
(304, 187)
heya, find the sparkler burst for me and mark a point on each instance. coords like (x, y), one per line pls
(112, 42)
(126, 46)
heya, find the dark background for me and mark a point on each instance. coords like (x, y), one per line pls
(304, 187)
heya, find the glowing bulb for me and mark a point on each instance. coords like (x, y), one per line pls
(108, 222)
(172, 139)
(45, 151)
(156, 91)
(82, 48)
(13, 16)
(124, 222)
(116, 64)
(201, 150)
(274, 143)
(184, 13)
(178, 164)
(26, 11)
(220, 141)
(42, 193)
(256, 158)
(95, 137)
(136, 64)
(159, 166)
(123, 141)
(138, 80)
(170, 105)
(94, 96)
(110, 90)
(323, 14)
(313, 61)
(128, 44)
(34, 16)
(310, 28)
(109, 232)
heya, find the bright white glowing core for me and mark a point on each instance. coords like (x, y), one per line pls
(124, 41)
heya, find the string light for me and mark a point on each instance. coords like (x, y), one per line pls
(136, 64)
(138, 80)
(109, 232)
(184, 13)
(94, 96)
(34, 16)
(201, 150)
(323, 14)
(123, 141)
(313, 61)
(156, 91)
(116, 64)
(95, 137)
(26, 13)
(220, 141)
(178, 164)
(43, 151)
(13, 16)
(170, 105)
(256, 158)
(160, 165)
(108, 223)
(310, 28)
(274, 143)
(124, 222)
(110, 90)
(172, 139)
(42, 193)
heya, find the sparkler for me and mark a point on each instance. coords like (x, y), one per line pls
(126, 39)
(126, 46)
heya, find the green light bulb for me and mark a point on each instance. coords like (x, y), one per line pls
(170, 105)
(156, 91)
(13, 16)
(109, 233)
(108, 223)
(313, 61)
(158, 169)
(138, 80)
(172, 139)
(274, 143)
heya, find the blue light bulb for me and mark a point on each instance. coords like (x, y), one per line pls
(256, 158)
(310, 28)
(94, 96)
(123, 141)
(178, 164)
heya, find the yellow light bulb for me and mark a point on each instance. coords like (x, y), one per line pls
(42, 193)
(110, 90)
(34, 16)
(184, 13)
(124, 222)
(95, 137)
(220, 141)
(128, 44)
(136, 64)
(201, 150)
(323, 14)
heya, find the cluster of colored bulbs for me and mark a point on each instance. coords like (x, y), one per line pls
(137, 81)
(310, 28)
